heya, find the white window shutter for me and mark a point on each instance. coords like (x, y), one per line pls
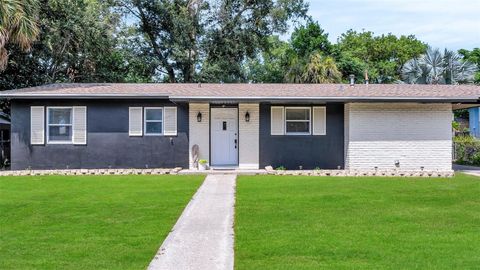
(170, 121)
(135, 121)
(277, 123)
(37, 125)
(319, 121)
(79, 125)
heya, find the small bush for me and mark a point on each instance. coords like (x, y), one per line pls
(203, 161)
(280, 168)
(467, 150)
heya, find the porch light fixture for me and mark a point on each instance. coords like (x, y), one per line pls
(199, 117)
(247, 117)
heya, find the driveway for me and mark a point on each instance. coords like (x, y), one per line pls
(472, 170)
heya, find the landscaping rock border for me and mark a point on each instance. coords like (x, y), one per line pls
(92, 172)
(178, 170)
(384, 173)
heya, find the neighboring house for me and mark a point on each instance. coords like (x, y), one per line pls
(474, 121)
(249, 126)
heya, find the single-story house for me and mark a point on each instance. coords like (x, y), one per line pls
(246, 126)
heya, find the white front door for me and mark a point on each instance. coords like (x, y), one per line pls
(224, 136)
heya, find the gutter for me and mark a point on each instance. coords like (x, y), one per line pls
(85, 96)
(329, 99)
(273, 99)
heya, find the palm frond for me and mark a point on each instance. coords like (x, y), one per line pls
(436, 68)
(17, 25)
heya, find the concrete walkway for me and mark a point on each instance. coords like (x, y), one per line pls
(202, 238)
(472, 170)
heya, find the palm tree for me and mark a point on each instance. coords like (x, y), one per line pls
(17, 26)
(295, 71)
(433, 67)
(321, 69)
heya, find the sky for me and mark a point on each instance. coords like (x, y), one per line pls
(452, 24)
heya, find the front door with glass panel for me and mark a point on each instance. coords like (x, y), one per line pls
(224, 137)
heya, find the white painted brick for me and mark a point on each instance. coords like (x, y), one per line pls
(199, 131)
(249, 136)
(415, 134)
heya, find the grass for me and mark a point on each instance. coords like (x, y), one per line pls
(88, 222)
(288, 222)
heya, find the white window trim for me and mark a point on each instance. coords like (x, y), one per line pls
(309, 121)
(145, 121)
(56, 125)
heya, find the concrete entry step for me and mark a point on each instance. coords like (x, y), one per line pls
(203, 237)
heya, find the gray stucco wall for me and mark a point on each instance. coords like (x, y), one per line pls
(325, 152)
(108, 142)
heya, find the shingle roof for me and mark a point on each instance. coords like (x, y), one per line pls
(251, 91)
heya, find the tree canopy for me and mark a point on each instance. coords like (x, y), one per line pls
(49, 41)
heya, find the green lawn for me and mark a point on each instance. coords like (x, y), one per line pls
(288, 222)
(88, 222)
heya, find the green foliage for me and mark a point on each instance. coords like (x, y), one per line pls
(306, 59)
(280, 168)
(270, 64)
(203, 161)
(79, 42)
(456, 126)
(208, 40)
(204, 41)
(462, 113)
(321, 69)
(17, 26)
(467, 150)
(472, 56)
(381, 56)
(435, 67)
(310, 38)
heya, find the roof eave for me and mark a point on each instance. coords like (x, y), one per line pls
(330, 99)
(83, 96)
(460, 99)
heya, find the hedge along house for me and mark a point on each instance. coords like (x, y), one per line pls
(245, 126)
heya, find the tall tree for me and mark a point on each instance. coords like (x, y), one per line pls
(310, 38)
(17, 26)
(435, 67)
(381, 56)
(78, 42)
(269, 65)
(321, 69)
(474, 57)
(305, 59)
(208, 40)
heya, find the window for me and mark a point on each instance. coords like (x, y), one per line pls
(153, 121)
(59, 125)
(297, 121)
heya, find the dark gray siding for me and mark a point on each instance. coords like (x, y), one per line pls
(325, 152)
(108, 143)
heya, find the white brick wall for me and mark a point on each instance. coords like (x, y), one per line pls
(377, 134)
(249, 136)
(199, 131)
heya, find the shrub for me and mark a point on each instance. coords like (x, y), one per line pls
(203, 161)
(280, 168)
(467, 150)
